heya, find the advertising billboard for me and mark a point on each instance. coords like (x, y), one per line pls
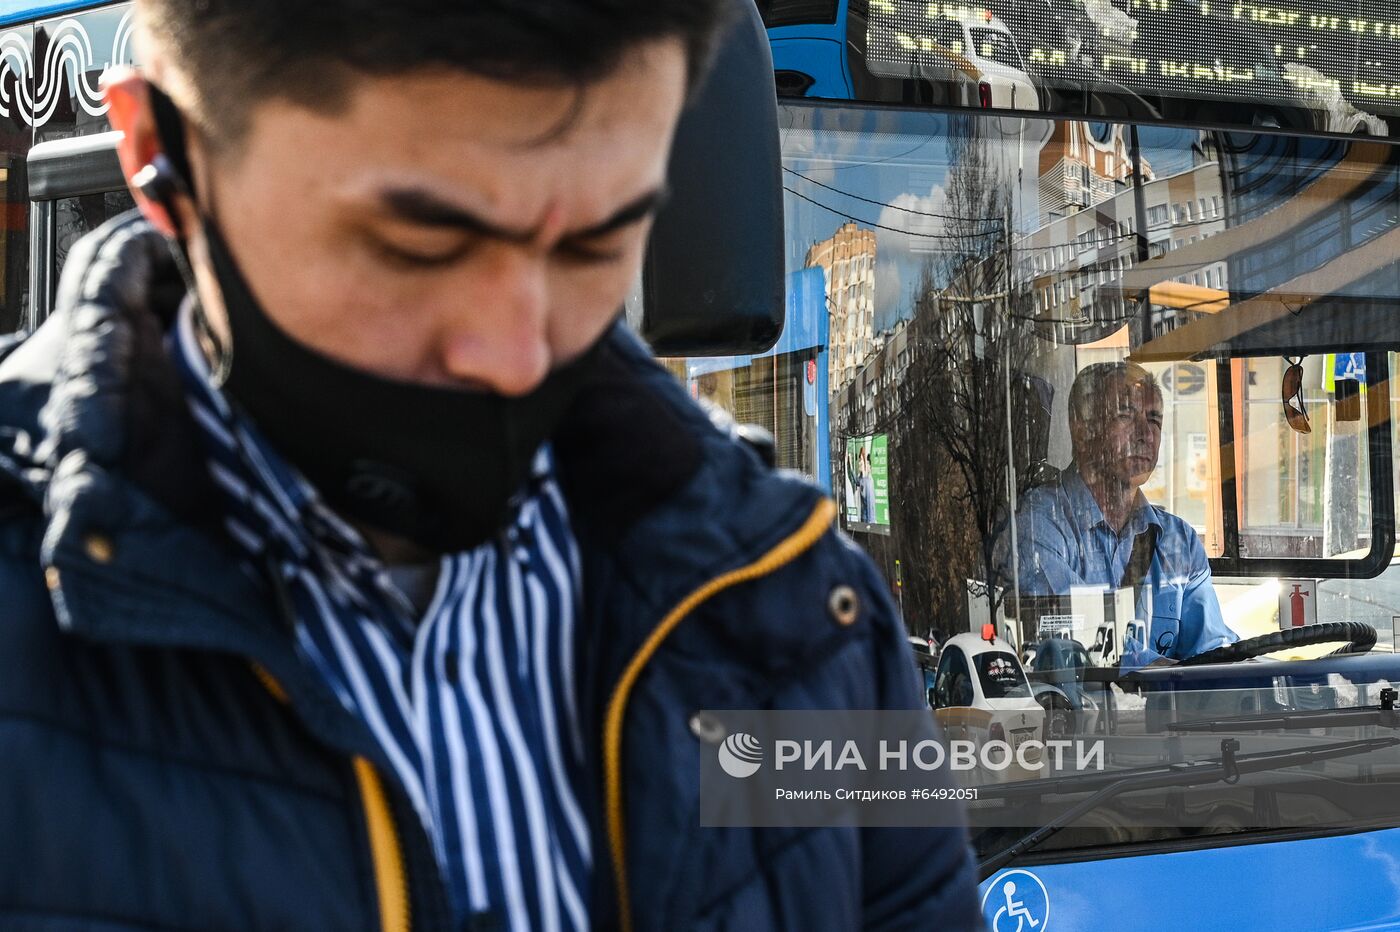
(868, 483)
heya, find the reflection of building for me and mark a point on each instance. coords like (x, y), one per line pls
(1077, 261)
(848, 258)
(1310, 221)
(870, 397)
(1078, 170)
(1311, 243)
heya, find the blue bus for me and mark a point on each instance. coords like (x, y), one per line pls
(808, 41)
(52, 56)
(1208, 195)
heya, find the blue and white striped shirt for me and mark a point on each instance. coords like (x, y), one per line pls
(473, 703)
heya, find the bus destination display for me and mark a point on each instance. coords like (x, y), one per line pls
(1338, 58)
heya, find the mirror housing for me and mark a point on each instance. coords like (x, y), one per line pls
(712, 282)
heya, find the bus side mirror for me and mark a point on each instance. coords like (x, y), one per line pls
(713, 283)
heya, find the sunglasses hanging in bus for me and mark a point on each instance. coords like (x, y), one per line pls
(1293, 408)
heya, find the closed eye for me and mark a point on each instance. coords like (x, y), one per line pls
(412, 259)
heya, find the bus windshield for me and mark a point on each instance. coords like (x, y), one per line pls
(1120, 392)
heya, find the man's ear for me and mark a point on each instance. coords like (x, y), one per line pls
(129, 102)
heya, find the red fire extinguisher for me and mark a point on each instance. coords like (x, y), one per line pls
(1298, 597)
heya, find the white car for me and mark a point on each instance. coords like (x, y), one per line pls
(980, 693)
(973, 54)
(991, 50)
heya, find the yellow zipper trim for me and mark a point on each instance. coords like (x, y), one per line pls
(390, 877)
(270, 683)
(788, 550)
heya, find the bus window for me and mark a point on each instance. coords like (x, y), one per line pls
(1121, 391)
(950, 280)
(75, 217)
(57, 56)
(1306, 481)
(14, 242)
(74, 106)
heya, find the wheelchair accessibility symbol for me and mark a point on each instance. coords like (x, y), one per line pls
(1016, 901)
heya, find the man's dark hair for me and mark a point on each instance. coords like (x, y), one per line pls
(237, 53)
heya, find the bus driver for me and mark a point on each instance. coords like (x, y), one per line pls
(1093, 526)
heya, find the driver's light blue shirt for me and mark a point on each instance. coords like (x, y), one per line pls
(1063, 542)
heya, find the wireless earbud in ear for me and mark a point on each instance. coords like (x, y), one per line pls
(157, 182)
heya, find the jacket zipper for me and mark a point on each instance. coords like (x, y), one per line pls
(390, 875)
(792, 547)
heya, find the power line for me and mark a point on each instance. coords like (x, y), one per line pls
(928, 139)
(1019, 246)
(880, 226)
(907, 210)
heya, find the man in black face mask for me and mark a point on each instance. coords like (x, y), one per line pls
(322, 603)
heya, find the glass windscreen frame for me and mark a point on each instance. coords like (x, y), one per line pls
(1116, 263)
(1081, 296)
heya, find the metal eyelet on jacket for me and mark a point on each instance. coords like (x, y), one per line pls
(707, 728)
(844, 605)
(99, 548)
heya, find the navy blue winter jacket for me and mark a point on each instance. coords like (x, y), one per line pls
(167, 763)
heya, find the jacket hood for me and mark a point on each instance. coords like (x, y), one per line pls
(93, 384)
(95, 436)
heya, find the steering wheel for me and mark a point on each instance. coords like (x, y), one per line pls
(1359, 638)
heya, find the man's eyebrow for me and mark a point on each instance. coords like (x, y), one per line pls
(637, 209)
(416, 205)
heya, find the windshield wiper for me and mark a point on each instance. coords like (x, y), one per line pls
(1228, 768)
(1384, 715)
(1294, 721)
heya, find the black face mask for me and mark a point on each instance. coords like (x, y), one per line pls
(437, 466)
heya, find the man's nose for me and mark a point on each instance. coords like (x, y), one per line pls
(495, 333)
(1147, 431)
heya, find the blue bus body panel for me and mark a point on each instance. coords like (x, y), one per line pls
(1346, 883)
(23, 11)
(822, 56)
